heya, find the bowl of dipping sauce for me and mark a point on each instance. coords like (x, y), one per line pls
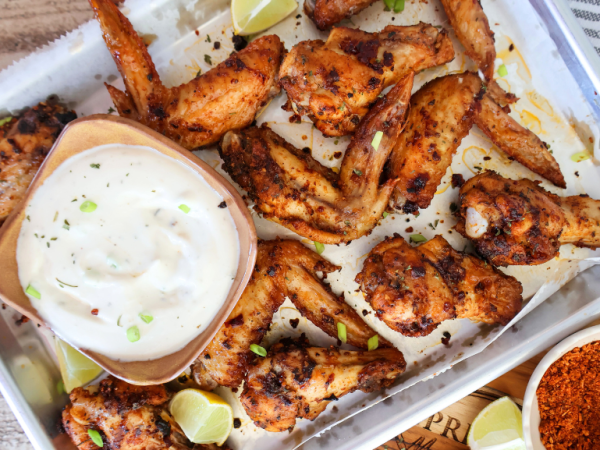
(561, 407)
(128, 247)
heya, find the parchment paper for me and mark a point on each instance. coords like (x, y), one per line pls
(551, 104)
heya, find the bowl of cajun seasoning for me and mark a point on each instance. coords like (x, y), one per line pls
(561, 408)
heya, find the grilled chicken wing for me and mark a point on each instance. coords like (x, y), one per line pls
(473, 31)
(295, 380)
(292, 189)
(518, 222)
(24, 143)
(198, 113)
(127, 417)
(441, 115)
(414, 289)
(325, 13)
(335, 82)
(283, 269)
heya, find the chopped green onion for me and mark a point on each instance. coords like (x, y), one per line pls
(96, 438)
(119, 320)
(185, 208)
(373, 343)
(5, 120)
(88, 207)
(33, 292)
(208, 60)
(580, 156)
(133, 334)
(342, 333)
(502, 70)
(95, 166)
(146, 317)
(67, 225)
(320, 248)
(399, 6)
(417, 238)
(377, 140)
(60, 387)
(260, 351)
(358, 172)
(385, 214)
(62, 282)
(389, 4)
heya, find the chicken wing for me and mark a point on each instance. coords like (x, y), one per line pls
(325, 13)
(292, 189)
(441, 115)
(516, 222)
(414, 289)
(127, 417)
(24, 143)
(473, 31)
(200, 112)
(335, 82)
(296, 380)
(283, 269)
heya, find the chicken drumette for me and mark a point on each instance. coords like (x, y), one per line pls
(294, 190)
(414, 289)
(296, 380)
(335, 82)
(518, 222)
(325, 13)
(24, 143)
(284, 268)
(198, 113)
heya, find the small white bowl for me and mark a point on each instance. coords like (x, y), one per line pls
(531, 413)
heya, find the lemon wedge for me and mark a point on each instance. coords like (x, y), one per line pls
(254, 16)
(204, 417)
(498, 426)
(76, 369)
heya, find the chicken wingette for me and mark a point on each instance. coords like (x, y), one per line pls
(325, 13)
(294, 190)
(24, 143)
(284, 268)
(442, 113)
(127, 417)
(296, 380)
(334, 83)
(517, 222)
(200, 112)
(473, 31)
(414, 289)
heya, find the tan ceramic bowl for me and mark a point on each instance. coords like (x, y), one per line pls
(83, 134)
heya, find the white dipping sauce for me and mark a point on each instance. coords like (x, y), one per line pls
(145, 264)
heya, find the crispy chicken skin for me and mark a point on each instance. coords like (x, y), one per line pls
(127, 417)
(284, 268)
(441, 115)
(325, 13)
(414, 289)
(292, 189)
(296, 380)
(199, 112)
(517, 142)
(335, 82)
(473, 31)
(517, 222)
(24, 143)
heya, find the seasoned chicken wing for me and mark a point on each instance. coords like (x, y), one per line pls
(441, 115)
(283, 269)
(518, 222)
(325, 13)
(473, 31)
(414, 289)
(200, 112)
(335, 82)
(24, 143)
(292, 189)
(296, 380)
(127, 417)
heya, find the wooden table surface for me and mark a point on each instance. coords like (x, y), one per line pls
(26, 25)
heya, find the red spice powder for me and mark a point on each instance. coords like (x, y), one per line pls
(569, 400)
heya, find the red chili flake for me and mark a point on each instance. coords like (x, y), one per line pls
(569, 400)
(21, 321)
(95, 312)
